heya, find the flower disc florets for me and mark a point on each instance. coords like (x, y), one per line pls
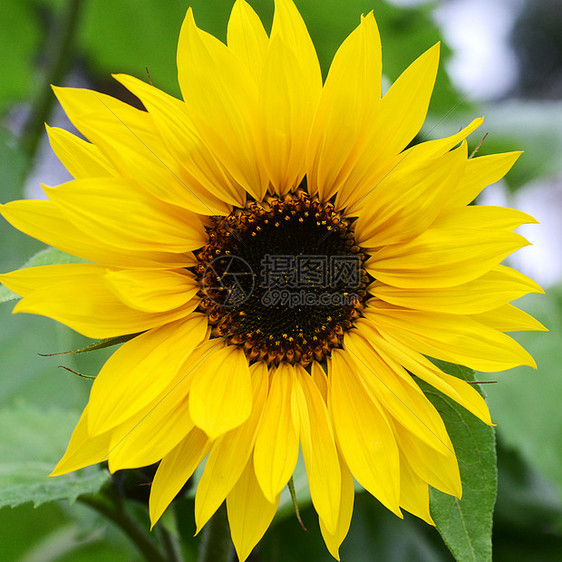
(283, 278)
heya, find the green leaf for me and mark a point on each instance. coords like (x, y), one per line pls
(6, 295)
(29, 347)
(130, 36)
(48, 256)
(18, 44)
(38, 379)
(466, 525)
(32, 441)
(51, 256)
(13, 164)
(23, 527)
(54, 533)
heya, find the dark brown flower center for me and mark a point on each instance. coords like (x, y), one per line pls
(282, 278)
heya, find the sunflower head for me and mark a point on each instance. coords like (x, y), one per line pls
(282, 278)
(287, 264)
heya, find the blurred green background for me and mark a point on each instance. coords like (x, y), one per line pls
(502, 59)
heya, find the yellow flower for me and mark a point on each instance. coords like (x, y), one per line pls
(216, 225)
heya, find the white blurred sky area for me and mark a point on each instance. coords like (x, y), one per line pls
(483, 65)
(484, 68)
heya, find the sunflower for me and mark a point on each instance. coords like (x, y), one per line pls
(281, 266)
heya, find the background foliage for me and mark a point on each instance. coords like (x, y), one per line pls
(68, 41)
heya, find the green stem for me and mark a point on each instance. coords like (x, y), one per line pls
(216, 545)
(116, 513)
(293, 493)
(173, 551)
(59, 56)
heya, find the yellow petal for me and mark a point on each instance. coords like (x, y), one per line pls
(93, 112)
(405, 105)
(414, 492)
(175, 470)
(227, 119)
(437, 147)
(334, 540)
(45, 221)
(439, 471)
(147, 437)
(362, 178)
(443, 257)
(80, 104)
(508, 318)
(249, 512)
(81, 158)
(320, 379)
(405, 403)
(199, 182)
(457, 339)
(26, 281)
(290, 27)
(83, 449)
(98, 206)
(153, 290)
(286, 109)
(277, 442)
(364, 434)
(408, 199)
(318, 450)
(230, 454)
(221, 393)
(77, 295)
(479, 173)
(142, 369)
(353, 89)
(246, 37)
(483, 217)
(460, 391)
(495, 288)
(131, 141)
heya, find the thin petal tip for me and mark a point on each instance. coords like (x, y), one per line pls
(56, 472)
